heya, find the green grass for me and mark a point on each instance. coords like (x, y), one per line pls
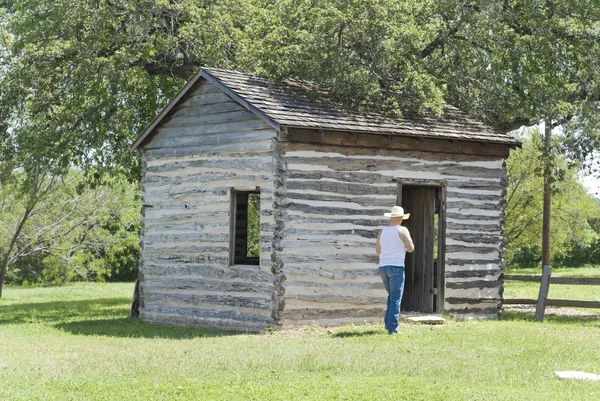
(515, 289)
(76, 343)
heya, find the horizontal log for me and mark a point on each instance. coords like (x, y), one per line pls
(554, 302)
(371, 233)
(330, 273)
(152, 182)
(207, 98)
(198, 203)
(251, 146)
(344, 168)
(342, 188)
(480, 238)
(193, 283)
(190, 213)
(471, 301)
(200, 313)
(292, 259)
(211, 299)
(195, 190)
(251, 162)
(339, 299)
(479, 284)
(473, 273)
(335, 211)
(473, 311)
(189, 249)
(470, 196)
(555, 280)
(217, 139)
(327, 241)
(327, 314)
(332, 322)
(218, 192)
(184, 258)
(376, 223)
(221, 105)
(294, 284)
(209, 117)
(166, 225)
(221, 127)
(474, 227)
(483, 219)
(472, 249)
(359, 200)
(301, 149)
(348, 139)
(159, 236)
(251, 273)
(572, 303)
(354, 177)
(519, 301)
(226, 324)
(482, 206)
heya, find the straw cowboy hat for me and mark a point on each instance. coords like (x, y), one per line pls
(397, 211)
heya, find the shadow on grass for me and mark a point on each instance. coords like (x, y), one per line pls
(61, 311)
(135, 328)
(345, 334)
(98, 317)
(593, 319)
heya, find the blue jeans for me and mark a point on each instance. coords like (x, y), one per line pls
(393, 280)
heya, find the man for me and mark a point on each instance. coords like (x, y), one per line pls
(392, 244)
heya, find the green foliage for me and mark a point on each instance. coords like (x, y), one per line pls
(253, 238)
(573, 209)
(77, 232)
(80, 80)
(582, 255)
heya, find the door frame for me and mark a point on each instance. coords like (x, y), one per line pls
(440, 283)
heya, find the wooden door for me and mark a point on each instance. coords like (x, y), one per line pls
(419, 288)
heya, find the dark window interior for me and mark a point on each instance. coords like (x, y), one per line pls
(246, 227)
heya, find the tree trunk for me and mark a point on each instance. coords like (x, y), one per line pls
(3, 270)
(13, 241)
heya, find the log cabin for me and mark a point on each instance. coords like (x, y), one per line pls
(261, 204)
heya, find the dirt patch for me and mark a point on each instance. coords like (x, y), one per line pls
(554, 311)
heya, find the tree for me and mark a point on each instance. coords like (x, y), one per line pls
(574, 209)
(91, 75)
(79, 79)
(74, 232)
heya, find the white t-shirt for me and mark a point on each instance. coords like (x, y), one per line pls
(393, 250)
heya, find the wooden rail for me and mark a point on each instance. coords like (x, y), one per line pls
(545, 280)
(555, 280)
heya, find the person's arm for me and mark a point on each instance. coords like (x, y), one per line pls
(405, 237)
(378, 245)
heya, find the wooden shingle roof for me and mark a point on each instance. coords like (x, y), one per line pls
(291, 104)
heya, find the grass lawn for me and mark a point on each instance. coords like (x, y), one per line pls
(76, 343)
(517, 289)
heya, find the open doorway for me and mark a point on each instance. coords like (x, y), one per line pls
(424, 283)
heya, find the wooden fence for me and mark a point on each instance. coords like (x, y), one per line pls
(545, 280)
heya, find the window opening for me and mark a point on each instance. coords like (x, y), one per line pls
(246, 227)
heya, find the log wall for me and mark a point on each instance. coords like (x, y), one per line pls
(321, 208)
(334, 201)
(209, 145)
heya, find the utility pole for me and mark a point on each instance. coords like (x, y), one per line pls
(546, 268)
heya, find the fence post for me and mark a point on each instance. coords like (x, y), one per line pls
(544, 287)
